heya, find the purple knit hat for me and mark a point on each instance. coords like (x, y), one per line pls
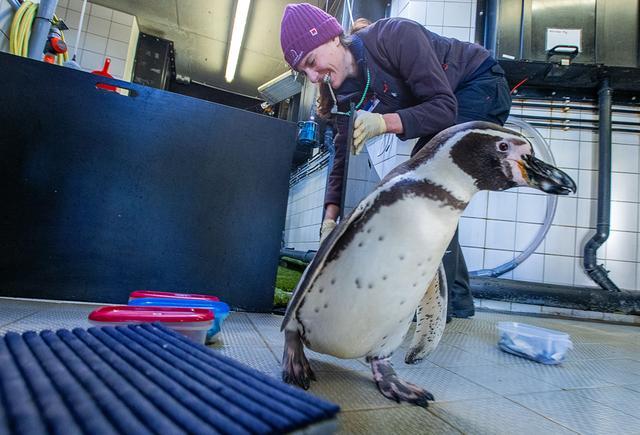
(305, 27)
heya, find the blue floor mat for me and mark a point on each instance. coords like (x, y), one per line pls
(140, 379)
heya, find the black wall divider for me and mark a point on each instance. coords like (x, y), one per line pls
(104, 193)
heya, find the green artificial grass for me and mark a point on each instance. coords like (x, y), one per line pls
(286, 281)
(281, 298)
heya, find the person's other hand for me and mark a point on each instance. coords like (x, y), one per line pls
(325, 229)
(366, 126)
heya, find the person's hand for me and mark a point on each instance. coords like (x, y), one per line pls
(325, 229)
(366, 126)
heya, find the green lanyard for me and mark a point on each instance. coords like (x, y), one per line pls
(334, 109)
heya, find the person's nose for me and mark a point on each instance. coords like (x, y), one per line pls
(312, 75)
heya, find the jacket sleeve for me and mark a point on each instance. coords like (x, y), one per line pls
(333, 192)
(410, 50)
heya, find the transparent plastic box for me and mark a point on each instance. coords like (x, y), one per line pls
(543, 345)
(193, 323)
(220, 310)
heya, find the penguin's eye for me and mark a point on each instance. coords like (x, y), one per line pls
(503, 146)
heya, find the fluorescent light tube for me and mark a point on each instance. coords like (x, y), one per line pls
(239, 23)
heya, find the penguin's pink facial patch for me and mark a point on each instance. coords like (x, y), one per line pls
(514, 150)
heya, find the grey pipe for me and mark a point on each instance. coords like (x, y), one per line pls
(41, 28)
(491, 29)
(596, 271)
(15, 4)
(521, 42)
(304, 256)
(568, 106)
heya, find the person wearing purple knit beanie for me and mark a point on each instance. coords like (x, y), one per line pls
(403, 79)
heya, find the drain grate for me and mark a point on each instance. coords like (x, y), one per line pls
(141, 379)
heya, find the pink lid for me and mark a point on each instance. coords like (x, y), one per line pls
(127, 313)
(156, 294)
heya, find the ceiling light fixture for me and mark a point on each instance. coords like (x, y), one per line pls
(239, 23)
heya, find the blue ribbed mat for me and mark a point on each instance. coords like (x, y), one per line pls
(141, 379)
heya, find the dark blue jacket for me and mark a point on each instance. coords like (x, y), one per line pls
(414, 72)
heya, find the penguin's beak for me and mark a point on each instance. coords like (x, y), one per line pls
(543, 176)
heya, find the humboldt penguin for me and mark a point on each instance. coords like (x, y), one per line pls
(382, 264)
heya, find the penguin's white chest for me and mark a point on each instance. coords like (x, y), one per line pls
(363, 301)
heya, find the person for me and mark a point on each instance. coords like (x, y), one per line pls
(414, 84)
(359, 24)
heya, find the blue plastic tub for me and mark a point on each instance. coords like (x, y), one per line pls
(220, 310)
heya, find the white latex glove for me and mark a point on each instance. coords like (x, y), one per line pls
(325, 229)
(366, 126)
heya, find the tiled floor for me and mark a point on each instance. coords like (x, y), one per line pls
(478, 388)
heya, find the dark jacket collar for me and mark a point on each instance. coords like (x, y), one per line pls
(356, 84)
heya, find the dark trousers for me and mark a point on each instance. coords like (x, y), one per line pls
(486, 97)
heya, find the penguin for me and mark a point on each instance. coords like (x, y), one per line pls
(382, 264)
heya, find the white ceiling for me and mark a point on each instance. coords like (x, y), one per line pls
(201, 30)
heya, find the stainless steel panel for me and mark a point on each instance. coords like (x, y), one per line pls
(508, 30)
(561, 14)
(609, 29)
(617, 33)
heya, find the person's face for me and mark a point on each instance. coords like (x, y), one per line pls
(327, 60)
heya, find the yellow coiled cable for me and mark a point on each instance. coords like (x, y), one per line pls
(20, 31)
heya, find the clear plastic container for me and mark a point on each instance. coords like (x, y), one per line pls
(193, 323)
(220, 310)
(538, 344)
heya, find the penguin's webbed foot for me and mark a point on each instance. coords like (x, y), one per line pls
(295, 366)
(394, 388)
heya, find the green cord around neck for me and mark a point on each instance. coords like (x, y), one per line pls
(364, 94)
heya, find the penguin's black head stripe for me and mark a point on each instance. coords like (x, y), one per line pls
(476, 154)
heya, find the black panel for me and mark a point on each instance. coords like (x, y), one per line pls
(104, 193)
(544, 79)
(216, 95)
(154, 63)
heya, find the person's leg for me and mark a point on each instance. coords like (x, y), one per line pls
(460, 302)
(485, 99)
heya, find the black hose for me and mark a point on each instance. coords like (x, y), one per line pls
(304, 256)
(553, 295)
(596, 271)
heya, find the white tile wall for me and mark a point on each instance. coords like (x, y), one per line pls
(106, 33)
(304, 212)
(559, 258)
(497, 226)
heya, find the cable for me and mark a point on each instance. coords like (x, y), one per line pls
(544, 152)
(349, 9)
(520, 83)
(20, 31)
(75, 48)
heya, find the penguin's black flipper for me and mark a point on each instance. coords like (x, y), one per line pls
(315, 267)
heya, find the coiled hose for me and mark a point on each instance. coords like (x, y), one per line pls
(544, 152)
(20, 31)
